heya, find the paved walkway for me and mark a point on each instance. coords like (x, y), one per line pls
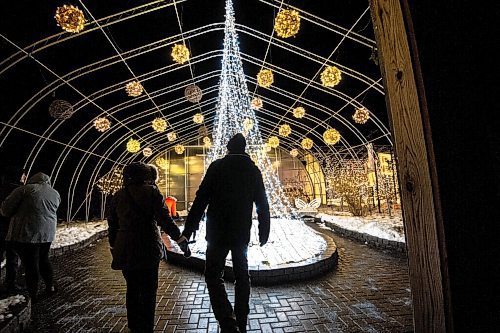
(368, 292)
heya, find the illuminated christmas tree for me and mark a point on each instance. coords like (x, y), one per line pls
(235, 115)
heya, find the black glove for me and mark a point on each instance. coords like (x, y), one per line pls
(184, 245)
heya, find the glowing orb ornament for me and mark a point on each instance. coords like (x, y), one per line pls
(361, 115)
(134, 89)
(133, 146)
(331, 136)
(180, 53)
(257, 103)
(299, 112)
(102, 124)
(193, 93)
(294, 152)
(179, 149)
(162, 163)
(70, 18)
(207, 142)
(159, 125)
(265, 78)
(307, 143)
(287, 23)
(147, 152)
(247, 124)
(198, 118)
(331, 76)
(273, 141)
(172, 136)
(60, 109)
(285, 130)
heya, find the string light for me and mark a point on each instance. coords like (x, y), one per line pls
(172, 136)
(111, 182)
(331, 136)
(162, 163)
(133, 146)
(102, 124)
(331, 76)
(180, 53)
(179, 149)
(60, 109)
(159, 125)
(285, 130)
(257, 103)
(247, 124)
(273, 141)
(294, 152)
(307, 143)
(198, 118)
(134, 89)
(266, 148)
(265, 78)
(70, 18)
(287, 23)
(193, 93)
(299, 112)
(147, 152)
(361, 115)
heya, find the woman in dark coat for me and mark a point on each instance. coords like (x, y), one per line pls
(136, 244)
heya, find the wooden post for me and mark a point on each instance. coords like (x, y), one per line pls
(419, 214)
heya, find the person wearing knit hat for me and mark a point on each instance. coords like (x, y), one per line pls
(230, 188)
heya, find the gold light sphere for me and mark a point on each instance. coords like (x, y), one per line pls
(193, 93)
(134, 89)
(159, 125)
(162, 163)
(198, 118)
(287, 23)
(147, 152)
(61, 109)
(70, 18)
(299, 112)
(307, 143)
(294, 152)
(133, 146)
(361, 115)
(273, 141)
(179, 149)
(207, 142)
(180, 53)
(172, 136)
(257, 103)
(285, 130)
(102, 124)
(247, 124)
(331, 136)
(331, 76)
(265, 78)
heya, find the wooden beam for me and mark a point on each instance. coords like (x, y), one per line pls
(419, 211)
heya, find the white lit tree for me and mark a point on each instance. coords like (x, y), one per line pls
(234, 106)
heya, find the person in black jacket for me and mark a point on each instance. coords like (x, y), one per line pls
(136, 244)
(230, 188)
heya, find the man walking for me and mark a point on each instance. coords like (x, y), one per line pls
(230, 188)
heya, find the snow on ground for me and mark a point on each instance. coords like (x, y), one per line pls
(378, 225)
(5, 304)
(75, 232)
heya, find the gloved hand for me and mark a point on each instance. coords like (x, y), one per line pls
(184, 245)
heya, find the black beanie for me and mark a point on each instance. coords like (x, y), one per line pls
(237, 144)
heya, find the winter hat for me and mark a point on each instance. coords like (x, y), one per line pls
(237, 144)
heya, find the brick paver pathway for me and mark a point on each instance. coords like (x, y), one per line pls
(368, 292)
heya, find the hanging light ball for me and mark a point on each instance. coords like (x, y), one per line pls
(265, 78)
(162, 163)
(60, 109)
(147, 152)
(159, 125)
(299, 112)
(331, 76)
(202, 131)
(193, 93)
(257, 103)
(294, 152)
(266, 148)
(172, 136)
(307, 143)
(285, 130)
(133, 146)
(207, 142)
(361, 115)
(70, 18)
(287, 23)
(102, 124)
(198, 118)
(331, 136)
(247, 124)
(273, 141)
(179, 149)
(134, 89)
(180, 53)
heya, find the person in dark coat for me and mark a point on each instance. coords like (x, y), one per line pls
(32, 209)
(135, 241)
(230, 188)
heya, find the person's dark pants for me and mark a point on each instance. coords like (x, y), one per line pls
(11, 263)
(141, 298)
(35, 258)
(214, 271)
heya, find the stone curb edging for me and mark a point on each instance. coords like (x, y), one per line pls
(84, 243)
(373, 241)
(19, 321)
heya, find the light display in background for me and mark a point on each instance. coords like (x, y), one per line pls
(265, 78)
(198, 118)
(159, 125)
(299, 112)
(133, 146)
(361, 115)
(233, 107)
(331, 136)
(70, 18)
(331, 76)
(102, 124)
(172, 136)
(247, 124)
(179, 149)
(111, 182)
(273, 142)
(147, 152)
(61, 109)
(203, 130)
(134, 89)
(180, 53)
(285, 130)
(193, 93)
(307, 143)
(162, 163)
(294, 152)
(287, 23)
(257, 103)
(207, 142)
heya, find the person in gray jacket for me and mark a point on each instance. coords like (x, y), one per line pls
(32, 210)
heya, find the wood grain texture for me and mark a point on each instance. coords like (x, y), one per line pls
(413, 166)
